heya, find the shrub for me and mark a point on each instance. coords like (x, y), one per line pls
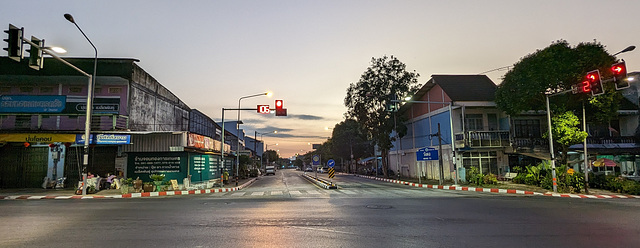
(490, 179)
(520, 178)
(474, 176)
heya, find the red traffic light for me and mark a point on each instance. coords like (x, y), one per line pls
(594, 82)
(619, 71)
(279, 104)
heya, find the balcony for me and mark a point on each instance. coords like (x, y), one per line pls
(483, 139)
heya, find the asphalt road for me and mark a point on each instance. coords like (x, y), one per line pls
(285, 210)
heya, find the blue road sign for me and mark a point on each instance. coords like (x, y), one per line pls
(315, 160)
(427, 153)
(331, 163)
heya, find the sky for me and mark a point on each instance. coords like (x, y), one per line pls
(211, 53)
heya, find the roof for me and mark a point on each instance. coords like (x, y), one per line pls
(466, 87)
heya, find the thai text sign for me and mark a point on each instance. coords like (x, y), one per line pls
(105, 139)
(427, 153)
(36, 137)
(32, 104)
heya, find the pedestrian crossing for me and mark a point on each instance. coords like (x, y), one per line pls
(320, 193)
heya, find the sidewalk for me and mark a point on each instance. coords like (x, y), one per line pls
(39, 193)
(505, 188)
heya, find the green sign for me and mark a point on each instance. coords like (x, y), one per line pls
(172, 165)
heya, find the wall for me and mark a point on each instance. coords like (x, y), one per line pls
(153, 107)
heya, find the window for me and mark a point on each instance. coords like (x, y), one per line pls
(115, 90)
(493, 122)
(97, 90)
(95, 122)
(474, 122)
(23, 122)
(26, 89)
(486, 162)
(526, 128)
(46, 89)
(75, 89)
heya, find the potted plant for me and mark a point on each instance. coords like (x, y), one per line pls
(157, 180)
(147, 186)
(125, 184)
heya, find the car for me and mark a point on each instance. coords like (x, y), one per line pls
(308, 169)
(321, 170)
(270, 170)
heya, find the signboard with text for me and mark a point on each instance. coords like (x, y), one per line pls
(32, 104)
(427, 153)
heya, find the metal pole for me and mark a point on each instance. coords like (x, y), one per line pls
(586, 155)
(440, 163)
(238, 142)
(553, 160)
(222, 140)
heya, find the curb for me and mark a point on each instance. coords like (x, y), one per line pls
(503, 191)
(319, 182)
(129, 195)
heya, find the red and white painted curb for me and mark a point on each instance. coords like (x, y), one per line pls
(504, 191)
(130, 195)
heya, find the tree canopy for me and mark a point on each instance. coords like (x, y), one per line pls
(556, 68)
(348, 138)
(367, 100)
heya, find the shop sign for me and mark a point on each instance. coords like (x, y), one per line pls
(32, 104)
(105, 139)
(195, 140)
(101, 105)
(37, 137)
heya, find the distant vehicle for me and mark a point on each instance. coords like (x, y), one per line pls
(321, 170)
(270, 170)
(308, 169)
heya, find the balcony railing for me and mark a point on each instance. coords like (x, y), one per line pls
(483, 139)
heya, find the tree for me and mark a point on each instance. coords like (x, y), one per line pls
(566, 131)
(298, 163)
(367, 100)
(271, 156)
(556, 68)
(349, 139)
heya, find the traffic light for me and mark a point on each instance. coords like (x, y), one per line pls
(35, 54)
(391, 107)
(14, 46)
(619, 71)
(594, 82)
(280, 110)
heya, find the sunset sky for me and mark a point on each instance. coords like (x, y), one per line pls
(211, 53)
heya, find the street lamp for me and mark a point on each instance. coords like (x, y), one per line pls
(261, 134)
(238, 130)
(87, 128)
(267, 149)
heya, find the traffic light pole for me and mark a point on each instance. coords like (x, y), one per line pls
(89, 108)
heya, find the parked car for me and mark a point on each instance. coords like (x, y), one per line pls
(270, 170)
(321, 170)
(308, 169)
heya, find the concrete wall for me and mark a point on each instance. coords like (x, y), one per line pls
(153, 107)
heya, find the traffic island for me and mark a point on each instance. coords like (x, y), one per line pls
(320, 182)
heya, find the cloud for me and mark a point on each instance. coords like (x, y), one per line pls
(307, 117)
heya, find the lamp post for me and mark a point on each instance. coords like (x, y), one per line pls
(267, 149)
(261, 140)
(238, 131)
(89, 107)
